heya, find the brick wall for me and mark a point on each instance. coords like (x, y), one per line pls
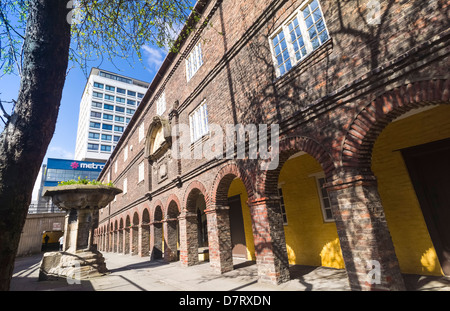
(332, 105)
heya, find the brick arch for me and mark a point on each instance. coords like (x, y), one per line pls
(194, 188)
(372, 119)
(289, 146)
(143, 217)
(135, 216)
(157, 204)
(222, 182)
(171, 200)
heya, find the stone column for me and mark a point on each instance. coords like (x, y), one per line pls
(188, 238)
(170, 239)
(219, 239)
(366, 243)
(269, 240)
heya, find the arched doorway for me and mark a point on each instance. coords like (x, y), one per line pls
(193, 226)
(172, 232)
(126, 249)
(121, 235)
(156, 236)
(135, 235)
(145, 236)
(410, 160)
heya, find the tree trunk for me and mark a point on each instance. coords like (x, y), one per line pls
(26, 136)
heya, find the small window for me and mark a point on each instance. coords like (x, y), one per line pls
(141, 132)
(96, 105)
(110, 88)
(109, 97)
(119, 119)
(94, 125)
(120, 100)
(282, 206)
(96, 114)
(98, 85)
(125, 182)
(120, 109)
(130, 111)
(97, 94)
(194, 61)
(108, 107)
(118, 128)
(198, 122)
(324, 200)
(105, 148)
(116, 138)
(161, 104)
(107, 116)
(107, 127)
(131, 102)
(141, 172)
(140, 95)
(106, 137)
(94, 135)
(93, 147)
(121, 91)
(131, 93)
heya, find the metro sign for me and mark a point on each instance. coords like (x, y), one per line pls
(92, 166)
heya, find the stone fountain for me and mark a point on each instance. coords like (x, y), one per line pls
(79, 258)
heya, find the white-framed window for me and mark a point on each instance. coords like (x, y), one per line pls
(282, 206)
(125, 184)
(194, 61)
(325, 202)
(141, 132)
(161, 104)
(125, 153)
(198, 122)
(302, 33)
(141, 171)
(115, 167)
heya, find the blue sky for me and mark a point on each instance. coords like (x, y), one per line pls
(62, 144)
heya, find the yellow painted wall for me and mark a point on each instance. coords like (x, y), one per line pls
(309, 240)
(407, 226)
(237, 188)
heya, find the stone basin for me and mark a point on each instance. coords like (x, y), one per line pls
(79, 257)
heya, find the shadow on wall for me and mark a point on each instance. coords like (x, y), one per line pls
(331, 255)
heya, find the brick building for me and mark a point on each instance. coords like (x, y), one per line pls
(360, 92)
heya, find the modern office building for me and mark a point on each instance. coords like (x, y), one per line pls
(109, 101)
(57, 170)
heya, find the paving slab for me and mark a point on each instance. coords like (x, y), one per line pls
(134, 273)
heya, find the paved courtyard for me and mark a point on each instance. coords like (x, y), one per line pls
(133, 273)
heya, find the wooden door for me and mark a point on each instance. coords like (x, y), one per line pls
(429, 169)
(237, 227)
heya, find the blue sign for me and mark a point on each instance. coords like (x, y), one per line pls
(74, 165)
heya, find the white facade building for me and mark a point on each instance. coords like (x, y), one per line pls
(108, 103)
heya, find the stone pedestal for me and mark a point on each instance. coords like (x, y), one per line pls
(80, 258)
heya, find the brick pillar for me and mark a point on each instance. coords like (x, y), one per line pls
(145, 240)
(170, 239)
(219, 239)
(269, 240)
(188, 239)
(364, 236)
